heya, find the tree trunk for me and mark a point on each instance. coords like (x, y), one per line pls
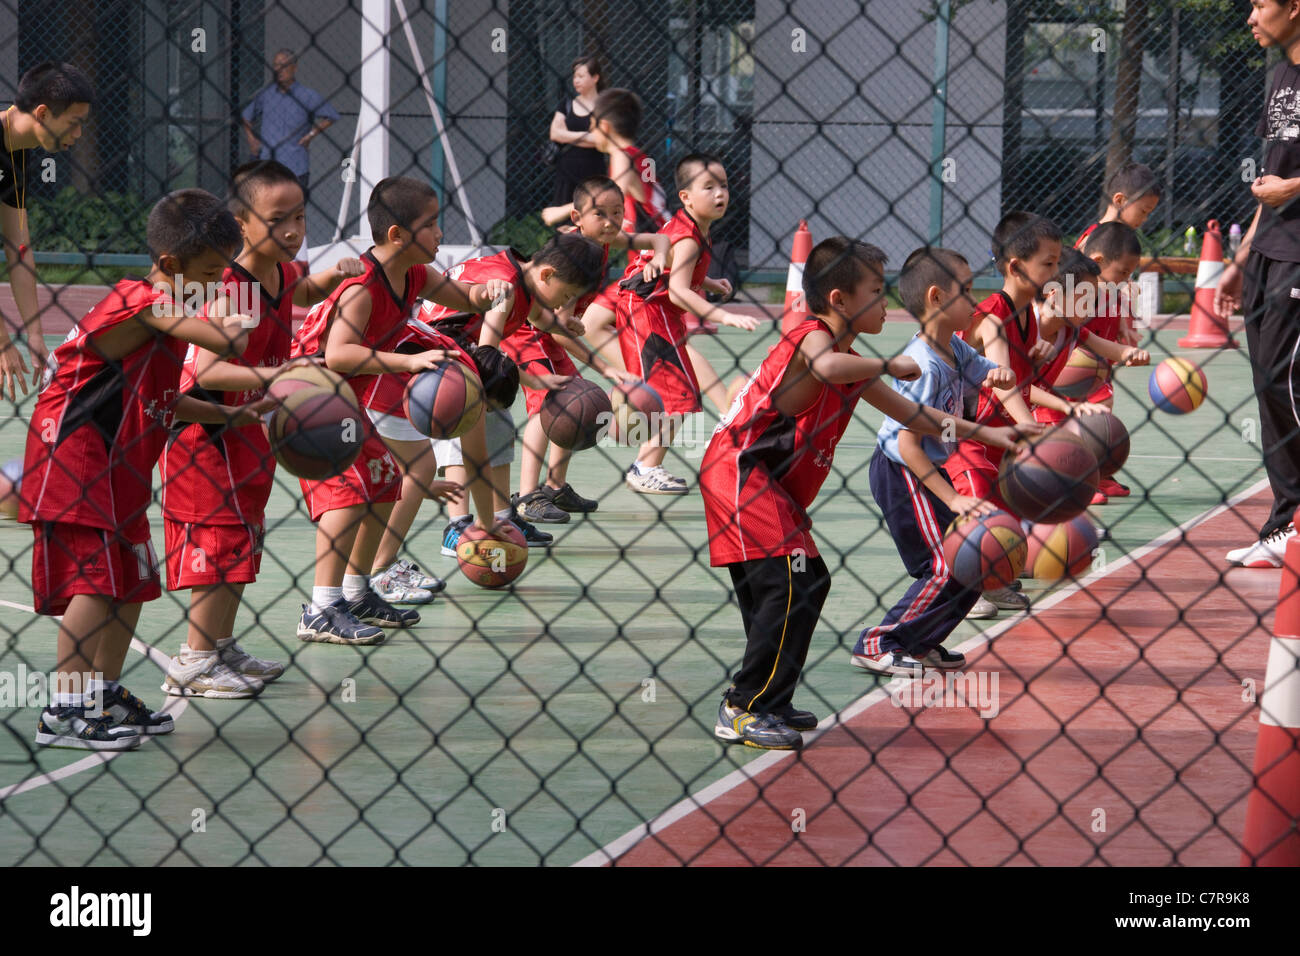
(1128, 87)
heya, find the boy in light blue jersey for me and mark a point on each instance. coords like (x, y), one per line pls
(907, 477)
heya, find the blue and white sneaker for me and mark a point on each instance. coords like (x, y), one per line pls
(73, 728)
(534, 537)
(372, 609)
(451, 535)
(336, 625)
(888, 662)
(127, 710)
(763, 731)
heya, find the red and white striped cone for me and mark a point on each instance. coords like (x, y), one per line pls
(1206, 330)
(796, 309)
(1272, 836)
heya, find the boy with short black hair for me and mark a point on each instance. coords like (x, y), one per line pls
(766, 462)
(49, 111)
(907, 477)
(1131, 195)
(99, 425)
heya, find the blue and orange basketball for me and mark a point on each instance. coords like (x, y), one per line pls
(637, 412)
(318, 430)
(1052, 479)
(1105, 436)
(985, 553)
(11, 480)
(1061, 550)
(1083, 374)
(492, 561)
(572, 416)
(444, 402)
(1177, 386)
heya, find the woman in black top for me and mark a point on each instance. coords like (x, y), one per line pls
(571, 128)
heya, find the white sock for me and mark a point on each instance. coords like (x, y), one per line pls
(503, 515)
(355, 586)
(321, 598)
(642, 467)
(189, 653)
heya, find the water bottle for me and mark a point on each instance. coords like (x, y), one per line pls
(1234, 238)
(1189, 241)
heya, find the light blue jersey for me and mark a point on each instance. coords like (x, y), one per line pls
(940, 386)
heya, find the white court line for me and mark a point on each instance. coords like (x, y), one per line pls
(100, 758)
(616, 848)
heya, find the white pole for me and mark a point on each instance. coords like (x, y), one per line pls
(372, 135)
(475, 237)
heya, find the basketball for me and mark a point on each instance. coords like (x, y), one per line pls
(1083, 374)
(1061, 550)
(1177, 386)
(573, 416)
(444, 402)
(317, 431)
(637, 409)
(1051, 480)
(11, 479)
(492, 562)
(1105, 436)
(308, 376)
(985, 553)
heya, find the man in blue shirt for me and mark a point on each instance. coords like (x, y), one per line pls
(291, 116)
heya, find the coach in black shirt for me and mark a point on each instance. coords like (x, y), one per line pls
(1268, 266)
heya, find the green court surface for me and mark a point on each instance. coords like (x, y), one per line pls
(522, 727)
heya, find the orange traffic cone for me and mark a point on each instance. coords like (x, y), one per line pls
(1206, 330)
(796, 309)
(1272, 837)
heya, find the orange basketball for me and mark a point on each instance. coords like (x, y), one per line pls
(492, 562)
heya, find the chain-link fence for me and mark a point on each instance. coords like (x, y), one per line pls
(570, 717)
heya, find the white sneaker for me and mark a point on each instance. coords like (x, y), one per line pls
(1263, 554)
(655, 481)
(245, 664)
(411, 574)
(395, 587)
(982, 611)
(1006, 599)
(206, 675)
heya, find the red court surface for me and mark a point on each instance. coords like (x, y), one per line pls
(1124, 698)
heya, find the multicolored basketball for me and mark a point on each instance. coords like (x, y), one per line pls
(444, 402)
(637, 412)
(317, 430)
(1052, 479)
(492, 562)
(1105, 436)
(1063, 550)
(1083, 374)
(11, 480)
(1177, 386)
(307, 376)
(573, 416)
(985, 553)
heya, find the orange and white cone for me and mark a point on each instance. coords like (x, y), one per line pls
(1206, 330)
(796, 309)
(1272, 836)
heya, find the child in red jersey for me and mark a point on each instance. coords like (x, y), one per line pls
(596, 213)
(360, 329)
(563, 269)
(652, 332)
(1026, 250)
(765, 464)
(216, 482)
(99, 425)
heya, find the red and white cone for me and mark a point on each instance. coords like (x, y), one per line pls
(796, 309)
(1206, 330)
(1272, 836)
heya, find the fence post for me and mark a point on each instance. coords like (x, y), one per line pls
(939, 122)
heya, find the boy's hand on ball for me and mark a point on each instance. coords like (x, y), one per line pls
(349, 267)
(252, 413)
(620, 377)
(1134, 356)
(1088, 408)
(1000, 378)
(736, 320)
(422, 361)
(964, 506)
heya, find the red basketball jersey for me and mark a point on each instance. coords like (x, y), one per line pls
(99, 426)
(217, 475)
(680, 227)
(1021, 331)
(465, 327)
(648, 210)
(763, 469)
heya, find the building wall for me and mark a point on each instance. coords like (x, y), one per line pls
(842, 131)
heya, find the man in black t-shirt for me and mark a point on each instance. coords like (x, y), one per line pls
(52, 104)
(1268, 265)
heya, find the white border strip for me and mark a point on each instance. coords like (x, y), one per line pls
(616, 848)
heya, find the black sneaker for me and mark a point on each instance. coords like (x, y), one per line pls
(567, 499)
(537, 506)
(372, 609)
(336, 625)
(127, 710)
(71, 727)
(941, 659)
(451, 535)
(797, 719)
(535, 538)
